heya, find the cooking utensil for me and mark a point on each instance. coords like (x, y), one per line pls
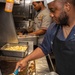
(52, 72)
(15, 72)
(17, 52)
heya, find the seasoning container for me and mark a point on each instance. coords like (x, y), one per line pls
(9, 5)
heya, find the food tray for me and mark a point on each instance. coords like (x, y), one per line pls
(14, 53)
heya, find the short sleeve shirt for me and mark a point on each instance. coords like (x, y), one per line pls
(43, 20)
(46, 45)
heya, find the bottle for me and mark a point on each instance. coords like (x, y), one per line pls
(9, 5)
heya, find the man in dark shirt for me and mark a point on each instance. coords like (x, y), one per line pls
(59, 38)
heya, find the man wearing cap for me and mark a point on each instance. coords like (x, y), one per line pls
(59, 38)
(42, 20)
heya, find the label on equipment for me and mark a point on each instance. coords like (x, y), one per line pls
(8, 6)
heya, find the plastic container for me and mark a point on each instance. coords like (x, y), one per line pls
(9, 5)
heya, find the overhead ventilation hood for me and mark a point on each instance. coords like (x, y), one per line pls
(16, 1)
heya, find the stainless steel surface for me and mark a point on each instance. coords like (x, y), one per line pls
(22, 14)
(42, 66)
(19, 10)
(7, 28)
(29, 10)
(7, 64)
(30, 49)
(22, 25)
(14, 53)
(29, 38)
(23, 11)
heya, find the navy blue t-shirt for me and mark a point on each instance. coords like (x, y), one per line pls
(46, 45)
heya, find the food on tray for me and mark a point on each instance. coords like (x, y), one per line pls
(16, 48)
(21, 36)
(31, 68)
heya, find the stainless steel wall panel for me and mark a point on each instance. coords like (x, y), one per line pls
(24, 10)
(7, 28)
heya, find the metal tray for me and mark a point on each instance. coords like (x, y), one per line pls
(29, 38)
(14, 53)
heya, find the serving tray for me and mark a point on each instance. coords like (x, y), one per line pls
(15, 49)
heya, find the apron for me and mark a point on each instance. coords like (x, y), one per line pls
(64, 52)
